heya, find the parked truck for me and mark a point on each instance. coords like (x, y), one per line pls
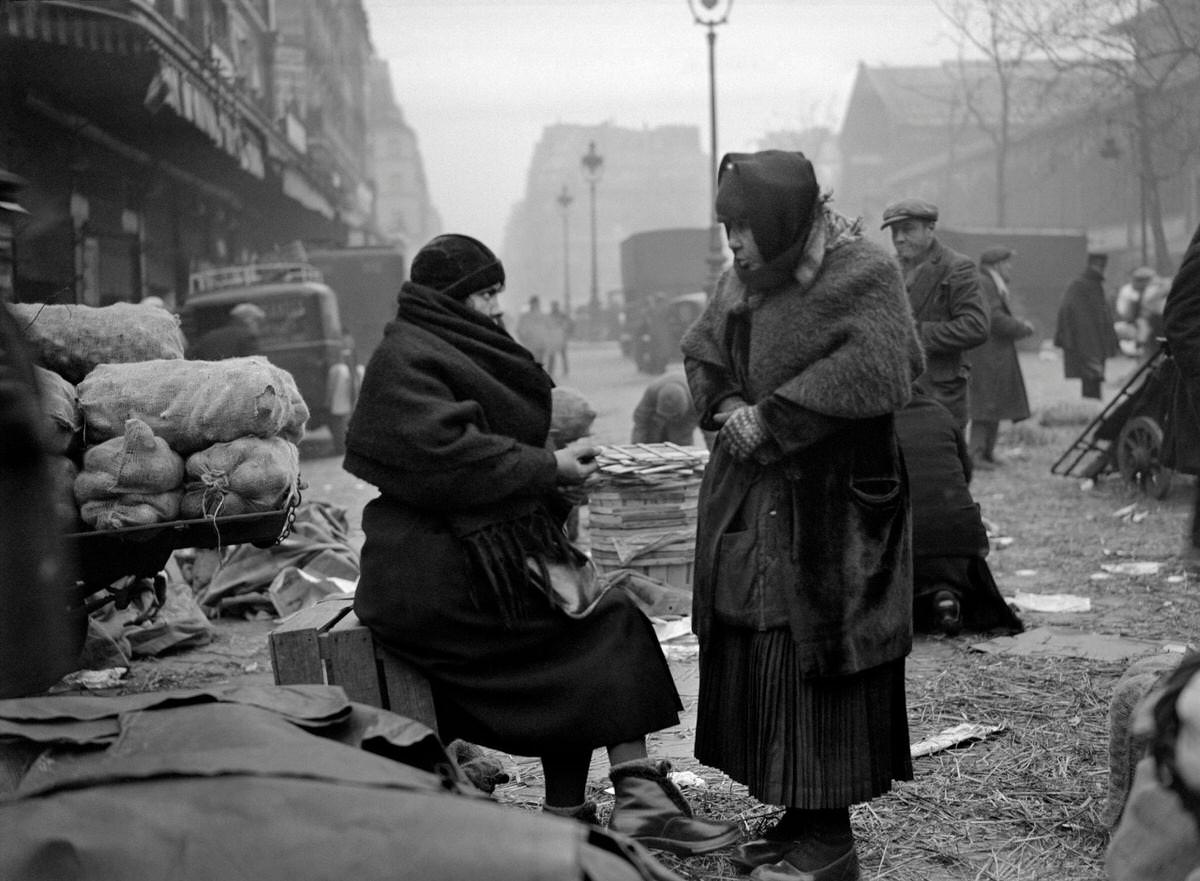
(366, 280)
(664, 274)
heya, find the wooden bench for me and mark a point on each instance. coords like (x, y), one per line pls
(326, 644)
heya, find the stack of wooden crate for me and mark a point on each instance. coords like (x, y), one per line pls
(642, 510)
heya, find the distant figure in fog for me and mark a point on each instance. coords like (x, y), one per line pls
(1139, 311)
(997, 388)
(567, 329)
(238, 337)
(540, 334)
(1085, 328)
(665, 413)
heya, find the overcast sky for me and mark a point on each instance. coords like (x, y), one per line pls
(478, 80)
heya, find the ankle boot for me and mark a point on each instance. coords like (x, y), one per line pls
(650, 809)
(586, 813)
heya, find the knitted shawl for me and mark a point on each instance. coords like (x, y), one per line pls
(452, 422)
(839, 341)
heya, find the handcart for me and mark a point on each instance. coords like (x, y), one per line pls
(118, 565)
(1126, 436)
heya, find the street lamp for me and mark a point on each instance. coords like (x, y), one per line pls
(564, 200)
(711, 14)
(593, 167)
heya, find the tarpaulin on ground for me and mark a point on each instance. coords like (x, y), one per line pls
(222, 783)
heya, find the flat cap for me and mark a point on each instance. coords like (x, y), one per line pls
(1143, 272)
(909, 209)
(995, 254)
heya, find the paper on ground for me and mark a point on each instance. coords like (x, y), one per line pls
(673, 628)
(1068, 644)
(952, 737)
(1132, 567)
(1051, 602)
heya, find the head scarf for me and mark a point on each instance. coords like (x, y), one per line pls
(775, 192)
(456, 265)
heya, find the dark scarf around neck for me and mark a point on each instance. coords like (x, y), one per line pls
(503, 539)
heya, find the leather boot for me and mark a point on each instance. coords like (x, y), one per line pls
(844, 868)
(650, 809)
(586, 813)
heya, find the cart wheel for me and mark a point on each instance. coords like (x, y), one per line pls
(1139, 448)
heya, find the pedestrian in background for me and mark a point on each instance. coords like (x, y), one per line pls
(803, 575)
(943, 291)
(1085, 328)
(566, 329)
(237, 338)
(1138, 311)
(997, 387)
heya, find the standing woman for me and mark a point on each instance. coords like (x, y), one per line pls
(803, 592)
(452, 426)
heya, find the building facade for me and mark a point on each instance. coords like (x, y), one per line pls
(157, 137)
(651, 178)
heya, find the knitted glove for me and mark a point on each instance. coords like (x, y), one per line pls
(743, 432)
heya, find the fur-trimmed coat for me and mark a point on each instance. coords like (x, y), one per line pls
(814, 533)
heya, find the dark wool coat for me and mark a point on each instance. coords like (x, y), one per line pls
(1181, 327)
(951, 316)
(997, 388)
(818, 540)
(451, 426)
(1085, 327)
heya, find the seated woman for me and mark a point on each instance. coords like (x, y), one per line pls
(953, 587)
(452, 426)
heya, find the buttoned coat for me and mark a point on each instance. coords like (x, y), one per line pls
(948, 307)
(997, 388)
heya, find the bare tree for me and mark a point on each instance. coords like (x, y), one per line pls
(1144, 59)
(1001, 90)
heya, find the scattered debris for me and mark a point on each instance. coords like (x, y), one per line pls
(1051, 602)
(1001, 542)
(92, 680)
(688, 778)
(1133, 567)
(1070, 644)
(954, 736)
(1131, 513)
(1025, 573)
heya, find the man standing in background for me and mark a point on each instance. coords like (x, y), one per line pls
(943, 289)
(1085, 328)
(997, 388)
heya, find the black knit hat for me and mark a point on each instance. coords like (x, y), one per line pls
(774, 192)
(456, 265)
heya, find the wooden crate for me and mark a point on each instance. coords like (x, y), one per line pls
(326, 644)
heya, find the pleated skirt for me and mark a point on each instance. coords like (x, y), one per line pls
(797, 741)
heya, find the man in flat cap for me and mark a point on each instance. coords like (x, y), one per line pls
(943, 288)
(997, 388)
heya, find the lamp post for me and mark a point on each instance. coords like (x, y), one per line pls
(564, 200)
(711, 14)
(593, 167)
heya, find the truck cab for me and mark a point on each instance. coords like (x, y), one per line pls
(302, 332)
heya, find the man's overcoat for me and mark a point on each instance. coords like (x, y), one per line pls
(997, 389)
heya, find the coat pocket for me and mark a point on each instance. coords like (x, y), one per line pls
(736, 574)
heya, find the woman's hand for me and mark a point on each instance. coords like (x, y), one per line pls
(576, 462)
(727, 407)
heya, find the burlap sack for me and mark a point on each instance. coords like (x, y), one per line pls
(571, 416)
(240, 477)
(71, 340)
(61, 406)
(133, 509)
(194, 404)
(135, 464)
